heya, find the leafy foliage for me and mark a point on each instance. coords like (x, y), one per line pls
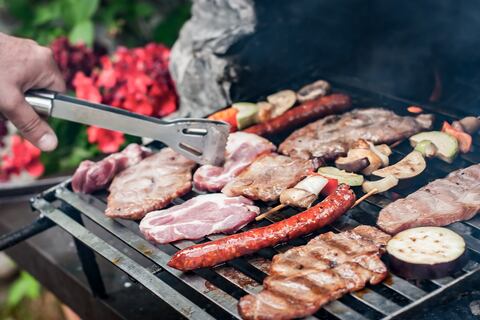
(130, 23)
(24, 287)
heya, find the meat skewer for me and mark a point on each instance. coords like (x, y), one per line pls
(234, 246)
(302, 195)
(365, 196)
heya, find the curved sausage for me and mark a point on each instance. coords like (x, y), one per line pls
(305, 112)
(234, 246)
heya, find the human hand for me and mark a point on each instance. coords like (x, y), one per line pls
(26, 65)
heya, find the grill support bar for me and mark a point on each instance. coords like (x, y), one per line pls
(87, 259)
(167, 294)
(10, 239)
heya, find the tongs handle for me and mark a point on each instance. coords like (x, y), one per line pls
(41, 101)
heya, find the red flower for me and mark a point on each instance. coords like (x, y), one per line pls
(71, 58)
(136, 80)
(23, 156)
(85, 88)
(108, 141)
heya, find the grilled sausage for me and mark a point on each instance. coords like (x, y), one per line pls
(305, 112)
(234, 246)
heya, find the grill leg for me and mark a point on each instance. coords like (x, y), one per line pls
(87, 259)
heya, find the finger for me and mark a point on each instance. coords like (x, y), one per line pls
(51, 78)
(27, 121)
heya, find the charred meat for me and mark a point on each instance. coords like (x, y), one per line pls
(268, 176)
(333, 135)
(149, 185)
(242, 149)
(305, 278)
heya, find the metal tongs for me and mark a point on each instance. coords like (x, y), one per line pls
(200, 140)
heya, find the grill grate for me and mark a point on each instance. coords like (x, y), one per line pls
(214, 292)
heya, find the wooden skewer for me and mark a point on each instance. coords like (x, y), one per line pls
(396, 143)
(269, 212)
(365, 196)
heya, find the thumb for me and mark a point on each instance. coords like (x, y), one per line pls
(29, 123)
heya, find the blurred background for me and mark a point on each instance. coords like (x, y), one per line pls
(109, 51)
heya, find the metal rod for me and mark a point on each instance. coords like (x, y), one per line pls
(10, 239)
(87, 258)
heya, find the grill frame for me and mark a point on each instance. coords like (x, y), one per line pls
(189, 293)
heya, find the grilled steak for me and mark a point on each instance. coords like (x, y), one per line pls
(439, 203)
(200, 216)
(242, 149)
(149, 185)
(92, 176)
(332, 136)
(304, 278)
(268, 176)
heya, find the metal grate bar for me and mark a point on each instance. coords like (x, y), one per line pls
(218, 297)
(376, 301)
(472, 243)
(342, 311)
(474, 222)
(177, 301)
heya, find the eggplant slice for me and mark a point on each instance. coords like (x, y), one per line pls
(426, 253)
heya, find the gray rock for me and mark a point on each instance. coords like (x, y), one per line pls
(202, 74)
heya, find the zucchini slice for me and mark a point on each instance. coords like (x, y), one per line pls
(426, 253)
(447, 146)
(341, 176)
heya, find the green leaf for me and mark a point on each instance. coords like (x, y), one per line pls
(82, 32)
(24, 287)
(80, 10)
(47, 13)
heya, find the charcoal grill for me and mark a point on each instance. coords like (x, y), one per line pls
(214, 292)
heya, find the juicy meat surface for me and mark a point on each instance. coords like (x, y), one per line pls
(439, 203)
(268, 176)
(198, 217)
(242, 149)
(149, 185)
(92, 176)
(333, 135)
(304, 278)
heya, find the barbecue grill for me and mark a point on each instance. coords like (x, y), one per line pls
(214, 292)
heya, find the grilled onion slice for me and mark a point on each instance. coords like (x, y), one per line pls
(426, 253)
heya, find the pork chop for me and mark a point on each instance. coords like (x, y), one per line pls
(198, 217)
(92, 176)
(439, 203)
(149, 185)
